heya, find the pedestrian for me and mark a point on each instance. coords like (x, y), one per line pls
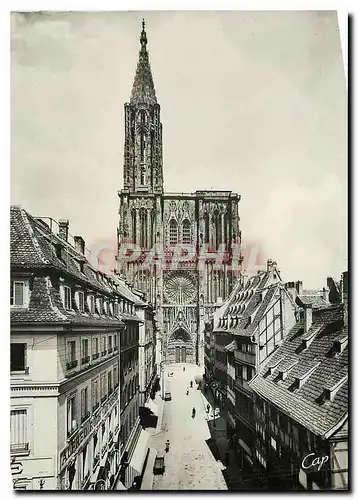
(207, 408)
(167, 445)
(183, 368)
(187, 392)
(191, 383)
(193, 412)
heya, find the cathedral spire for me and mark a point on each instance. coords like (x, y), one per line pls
(143, 91)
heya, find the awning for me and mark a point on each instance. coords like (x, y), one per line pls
(244, 446)
(230, 347)
(152, 406)
(140, 452)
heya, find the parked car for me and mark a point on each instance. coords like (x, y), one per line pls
(159, 466)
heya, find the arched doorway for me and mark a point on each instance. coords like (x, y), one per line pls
(180, 348)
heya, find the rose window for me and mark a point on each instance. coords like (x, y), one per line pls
(179, 288)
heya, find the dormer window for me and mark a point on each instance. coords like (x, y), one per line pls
(285, 370)
(331, 389)
(67, 297)
(100, 305)
(81, 301)
(18, 293)
(91, 304)
(301, 378)
(340, 344)
(115, 309)
(105, 307)
(273, 365)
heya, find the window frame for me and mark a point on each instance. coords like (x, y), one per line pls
(67, 299)
(25, 370)
(13, 284)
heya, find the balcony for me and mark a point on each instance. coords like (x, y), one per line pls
(71, 364)
(85, 360)
(94, 408)
(110, 350)
(104, 353)
(246, 357)
(95, 355)
(115, 348)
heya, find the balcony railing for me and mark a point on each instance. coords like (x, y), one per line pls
(71, 364)
(115, 348)
(104, 353)
(85, 416)
(110, 350)
(246, 357)
(85, 360)
(96, 460)
(103, 399)
(85, 479)
(95, 355)
(94, 408)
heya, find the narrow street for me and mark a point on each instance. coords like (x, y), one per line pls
(189, 464)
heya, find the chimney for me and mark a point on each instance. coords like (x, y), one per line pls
(63, 229)
(290, 287)
(345, 285)
(79, 244)
(307, 317)
(269, 265)
(299, 287)
(325, 293)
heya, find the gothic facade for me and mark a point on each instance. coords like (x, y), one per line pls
(182, 250)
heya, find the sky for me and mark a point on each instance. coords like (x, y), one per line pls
(253, 102)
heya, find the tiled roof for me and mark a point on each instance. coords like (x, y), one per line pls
(306, 404)
(247, 304)
(32, 249)
(315, 301)
(46, 307)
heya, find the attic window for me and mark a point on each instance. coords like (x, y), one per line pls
(283, 372)
(308, 337)
(248, 322)
(273, 365)
(340, 344)
(330, 392)
(301, 379)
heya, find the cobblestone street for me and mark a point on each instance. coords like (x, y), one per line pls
(189, 464)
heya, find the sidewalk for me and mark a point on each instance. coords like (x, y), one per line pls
(148, 476)
(232, 471)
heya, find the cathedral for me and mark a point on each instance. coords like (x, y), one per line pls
(182, 250)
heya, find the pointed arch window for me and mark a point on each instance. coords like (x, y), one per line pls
(218, 228)
(142, 175)
(186, 231)
(134, 226)
(143, 141)
(206, 227)
(143, 228)
(173, 232)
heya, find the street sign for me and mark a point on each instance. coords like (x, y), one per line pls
(16, 468)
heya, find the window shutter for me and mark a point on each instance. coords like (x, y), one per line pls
(18, 293)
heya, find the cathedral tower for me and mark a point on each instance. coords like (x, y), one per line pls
(158, 227)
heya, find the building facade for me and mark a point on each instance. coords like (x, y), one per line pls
(184, 247)
(247, 330)
(301, 402)
(68, 322)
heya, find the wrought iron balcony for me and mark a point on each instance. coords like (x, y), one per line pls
(95, 355)
(85, 360)
(71, 364)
